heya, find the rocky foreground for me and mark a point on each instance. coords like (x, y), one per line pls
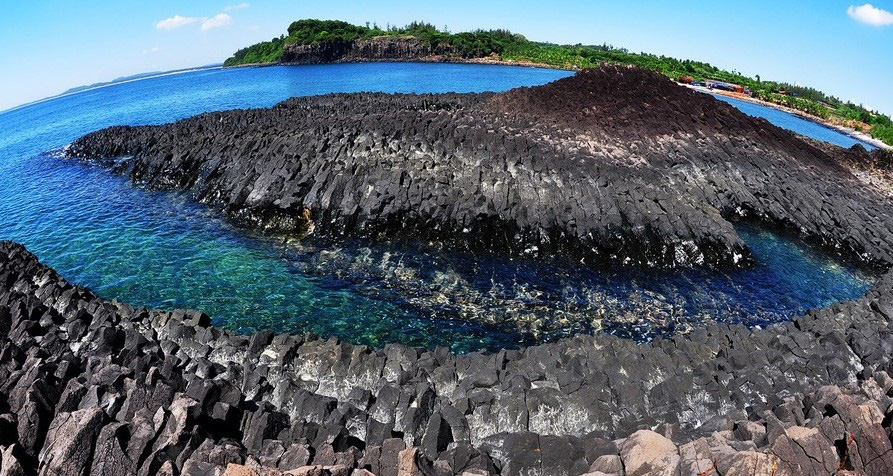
(614, 164)
(89, 386)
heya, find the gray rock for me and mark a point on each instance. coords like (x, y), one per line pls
(296, 456)
(110, 454)
(646, 452)
(69, 443)
(9, 463)
(608, 464)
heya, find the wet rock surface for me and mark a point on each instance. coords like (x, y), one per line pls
(613, 164)
(89, 386)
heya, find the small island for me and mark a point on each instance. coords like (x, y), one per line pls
(578, 167)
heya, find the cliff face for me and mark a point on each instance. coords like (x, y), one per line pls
(615, 164)
(373, 49)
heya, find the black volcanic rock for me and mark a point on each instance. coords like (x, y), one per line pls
(799, 397)
(611, 164)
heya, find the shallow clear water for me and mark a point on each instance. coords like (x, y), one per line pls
(160, 249)
(794, 123)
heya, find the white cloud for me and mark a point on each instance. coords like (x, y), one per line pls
(175, 21)
(871, 15)
(221, 19)
(153, 49)
(237, 7)
(207, 23)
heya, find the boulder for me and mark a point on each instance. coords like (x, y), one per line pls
(648, 453)
(406, 463)
(70, 441)
(9, 462)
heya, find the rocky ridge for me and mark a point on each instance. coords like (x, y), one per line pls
(614, 164)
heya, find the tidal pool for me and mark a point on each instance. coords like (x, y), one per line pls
(162, 250)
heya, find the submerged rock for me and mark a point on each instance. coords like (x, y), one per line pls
(614, 164)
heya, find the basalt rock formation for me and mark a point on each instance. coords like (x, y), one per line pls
(615, 163)
(388, 48)
(89, 386)
(610, 164)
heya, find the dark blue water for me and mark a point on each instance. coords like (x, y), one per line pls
(160, 249)
(794, 123)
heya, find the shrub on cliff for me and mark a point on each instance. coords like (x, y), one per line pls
(473, 44)
(883, 133)
(263, 52)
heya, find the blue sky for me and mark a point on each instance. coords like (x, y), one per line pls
(841, 47)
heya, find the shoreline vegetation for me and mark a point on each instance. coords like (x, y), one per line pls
(506, 48)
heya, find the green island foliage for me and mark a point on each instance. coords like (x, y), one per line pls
(504, 45)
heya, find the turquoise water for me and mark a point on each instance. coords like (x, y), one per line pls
(160, 249)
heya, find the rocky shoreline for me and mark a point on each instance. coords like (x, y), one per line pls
(393, 48)
(384, 49)
(843, 129)
(89, 386)
(412, 49)
(613, 164)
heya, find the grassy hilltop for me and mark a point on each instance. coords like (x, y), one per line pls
(503, 45)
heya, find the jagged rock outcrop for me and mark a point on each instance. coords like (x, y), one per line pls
(611, 164)
(387, 48)
(89, 386)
